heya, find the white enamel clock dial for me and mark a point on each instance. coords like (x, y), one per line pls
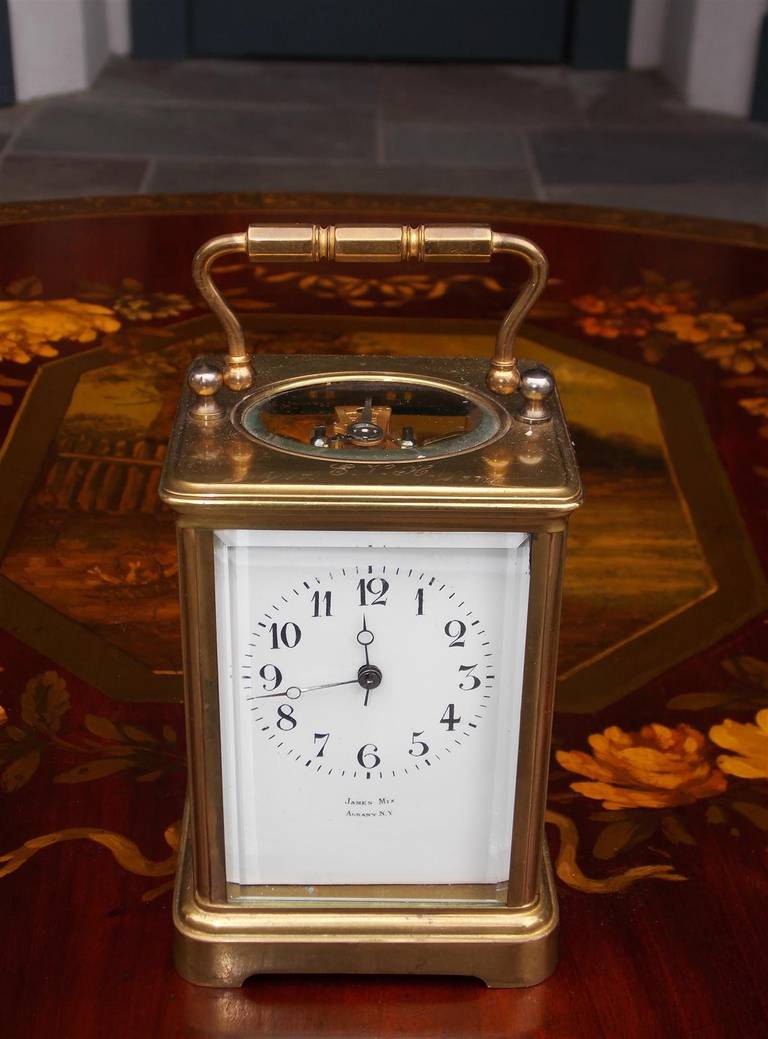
(370, 688)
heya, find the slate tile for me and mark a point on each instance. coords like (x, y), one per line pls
(453, 145)
(721, 201)
(472, 94)
(176, 175)
(13, 116)
(127, 79)
(637, 98)
(546, 75)
(646, 156)
(54, 176)
(347, 84)
(609, 96)
(151, 129)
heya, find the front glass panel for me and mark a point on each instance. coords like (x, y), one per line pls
(370, 690)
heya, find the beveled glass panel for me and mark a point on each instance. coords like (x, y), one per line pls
(370, 688)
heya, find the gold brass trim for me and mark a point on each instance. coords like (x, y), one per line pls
(311, 243)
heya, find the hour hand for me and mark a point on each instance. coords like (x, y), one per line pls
(369, 676)
(365, 638)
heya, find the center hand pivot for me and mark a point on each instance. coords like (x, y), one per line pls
(369, 676)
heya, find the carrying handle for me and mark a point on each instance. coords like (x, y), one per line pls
(310, 243)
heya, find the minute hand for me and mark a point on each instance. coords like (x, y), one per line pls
(307, 689)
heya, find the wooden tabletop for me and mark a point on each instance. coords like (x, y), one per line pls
(657, 329)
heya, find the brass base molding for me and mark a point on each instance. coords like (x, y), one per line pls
(222, 945)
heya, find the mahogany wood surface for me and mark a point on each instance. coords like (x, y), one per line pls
(664, 915)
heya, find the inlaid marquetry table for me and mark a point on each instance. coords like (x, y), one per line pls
(657, 329)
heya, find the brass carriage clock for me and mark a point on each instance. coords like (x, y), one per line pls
(371, 555)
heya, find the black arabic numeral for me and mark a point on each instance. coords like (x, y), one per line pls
(321, 604)
(377, 587)
(285, 712)
(324, 736)
(272, 676)
(449, 717)
(418, 743)
(469, 668)
(368, 751)
(456, 630)
(289, 635)
(420, 602)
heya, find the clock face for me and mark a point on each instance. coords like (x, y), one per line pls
(369, 671)
(370, 689)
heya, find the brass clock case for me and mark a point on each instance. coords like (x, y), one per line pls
(409, 444)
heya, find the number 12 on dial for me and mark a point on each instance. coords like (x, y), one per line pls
(370, 688)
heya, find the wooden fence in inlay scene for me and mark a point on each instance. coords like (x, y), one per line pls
(110, 474)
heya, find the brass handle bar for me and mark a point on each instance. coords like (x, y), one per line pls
(393, 243)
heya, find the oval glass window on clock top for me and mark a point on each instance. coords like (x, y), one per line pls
(370, 691)
(381, 418)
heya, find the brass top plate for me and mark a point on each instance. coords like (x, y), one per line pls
(212, 466)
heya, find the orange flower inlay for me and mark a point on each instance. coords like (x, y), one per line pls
(742, 356)
(657, 767)
(748, 741)
(701, 328)
(610, 327)
(28, 328)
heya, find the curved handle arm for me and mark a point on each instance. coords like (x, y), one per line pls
(503, 376)
(237, 370)
(310, 243)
